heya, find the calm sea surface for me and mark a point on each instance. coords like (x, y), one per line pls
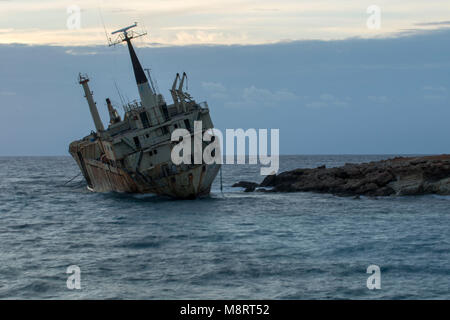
(233, 245)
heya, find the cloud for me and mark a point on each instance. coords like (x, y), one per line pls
(196, 28)
(328, 100)
(81, 52)
(435, 23)
(215, 90)
(207, 37)
(435, 93)
(378, 99)
(179, 22)
(260, 98)
(422, 28)
(319, 73)
(254, 97)
(214, 86)
(7, 93)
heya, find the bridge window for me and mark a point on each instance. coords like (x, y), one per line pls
(187, 124)
(137, 142)
(144, 119)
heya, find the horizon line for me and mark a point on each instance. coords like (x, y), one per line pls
(281, 154)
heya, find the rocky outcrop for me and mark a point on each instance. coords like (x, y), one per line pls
(249, 186)
(397, 176)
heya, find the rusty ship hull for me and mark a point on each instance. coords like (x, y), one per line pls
(190, 182)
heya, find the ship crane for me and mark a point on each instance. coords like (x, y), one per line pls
(83, 80)
(180, 92)
(173, 92)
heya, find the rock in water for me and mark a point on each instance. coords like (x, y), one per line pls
(397, 176)
(245, 184)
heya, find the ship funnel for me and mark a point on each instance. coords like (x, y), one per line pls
(92, 105)
(114, 116)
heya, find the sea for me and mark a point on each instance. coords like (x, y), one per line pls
(54, 233)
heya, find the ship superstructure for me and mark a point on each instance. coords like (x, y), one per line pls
(133, 154)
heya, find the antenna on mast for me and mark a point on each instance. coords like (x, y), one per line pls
(125, 35)
(118, 92)
(108, 39)
(151, 80)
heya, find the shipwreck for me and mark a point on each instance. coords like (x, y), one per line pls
(133, 154)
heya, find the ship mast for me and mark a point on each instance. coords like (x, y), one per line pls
(83, 79)
(149, 98)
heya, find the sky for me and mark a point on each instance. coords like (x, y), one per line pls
(313, 69)
(184, 22)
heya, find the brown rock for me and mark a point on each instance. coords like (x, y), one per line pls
(399, 176)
